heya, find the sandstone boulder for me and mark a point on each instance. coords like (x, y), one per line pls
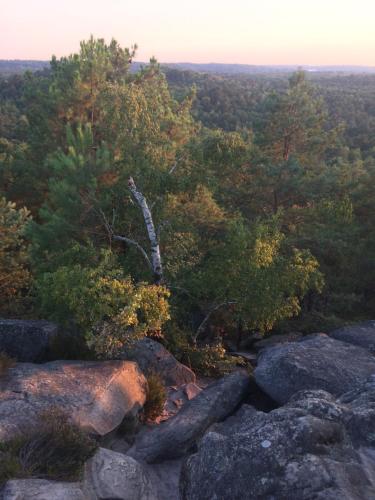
(107, 475)
(41, 489)
(176, 436)
(302, 451)
(360, 422)
(316, 362)
(113, 475)
(26, 340)
(95, 395)
(151, 356)
(360, 334)
(273, 340)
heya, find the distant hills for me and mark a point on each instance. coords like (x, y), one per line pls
(251, 69)
(8, 67)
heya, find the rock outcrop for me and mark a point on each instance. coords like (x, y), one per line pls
(316, 362)
(26, 340)
(303, 451)
(273, 340)
(172, 439)
(113, 475)
(360, 334)
(41, 489)
(95, 395)
(107, 475)
(151, 356)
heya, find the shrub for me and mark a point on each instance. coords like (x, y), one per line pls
(14, 273)
(104, 304)
(55, 449)
(207, 360)
(156, 397)
(210, 361)
(5, 363)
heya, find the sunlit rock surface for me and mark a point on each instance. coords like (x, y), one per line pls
(95, 395)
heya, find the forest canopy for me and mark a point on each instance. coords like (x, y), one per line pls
(157, 201)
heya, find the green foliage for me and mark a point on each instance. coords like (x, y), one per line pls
(156, 397)
(54, 449)
(252, 217)
(104, 304)
(255, 272)
(210, 360)
(14, 272)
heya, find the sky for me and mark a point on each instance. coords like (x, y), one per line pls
(298, 32)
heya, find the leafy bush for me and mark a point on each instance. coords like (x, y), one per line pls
(55, 449)
(206, 360)
(210, 361)
(156, 396)
(5, 363)
(104, 304)
(14, 274)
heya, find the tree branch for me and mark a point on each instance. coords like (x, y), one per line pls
(117, 237)
(208, 316)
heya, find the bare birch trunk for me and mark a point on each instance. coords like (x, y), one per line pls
(157, 267)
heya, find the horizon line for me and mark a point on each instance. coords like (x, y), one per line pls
(309, 65)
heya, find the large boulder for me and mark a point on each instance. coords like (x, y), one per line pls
(151, 356)
(107, 475)
(113, 475)
(316, 362)
(360, 334)
(26, 341)
(302, 451)
(95, 395)
(176, 436)
(41, 489)
(273, 340)
(360, 422)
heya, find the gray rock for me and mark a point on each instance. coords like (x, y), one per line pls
(107, 475)
(361, 334)
(273, 340)
(316, 362)
(154, 357)
(41, 489)
(95, 395)
(173, 438)
(360, 422)
(299, 452)
(26, 341)
(112, 475)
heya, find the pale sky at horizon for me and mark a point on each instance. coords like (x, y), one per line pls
(237, 31)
